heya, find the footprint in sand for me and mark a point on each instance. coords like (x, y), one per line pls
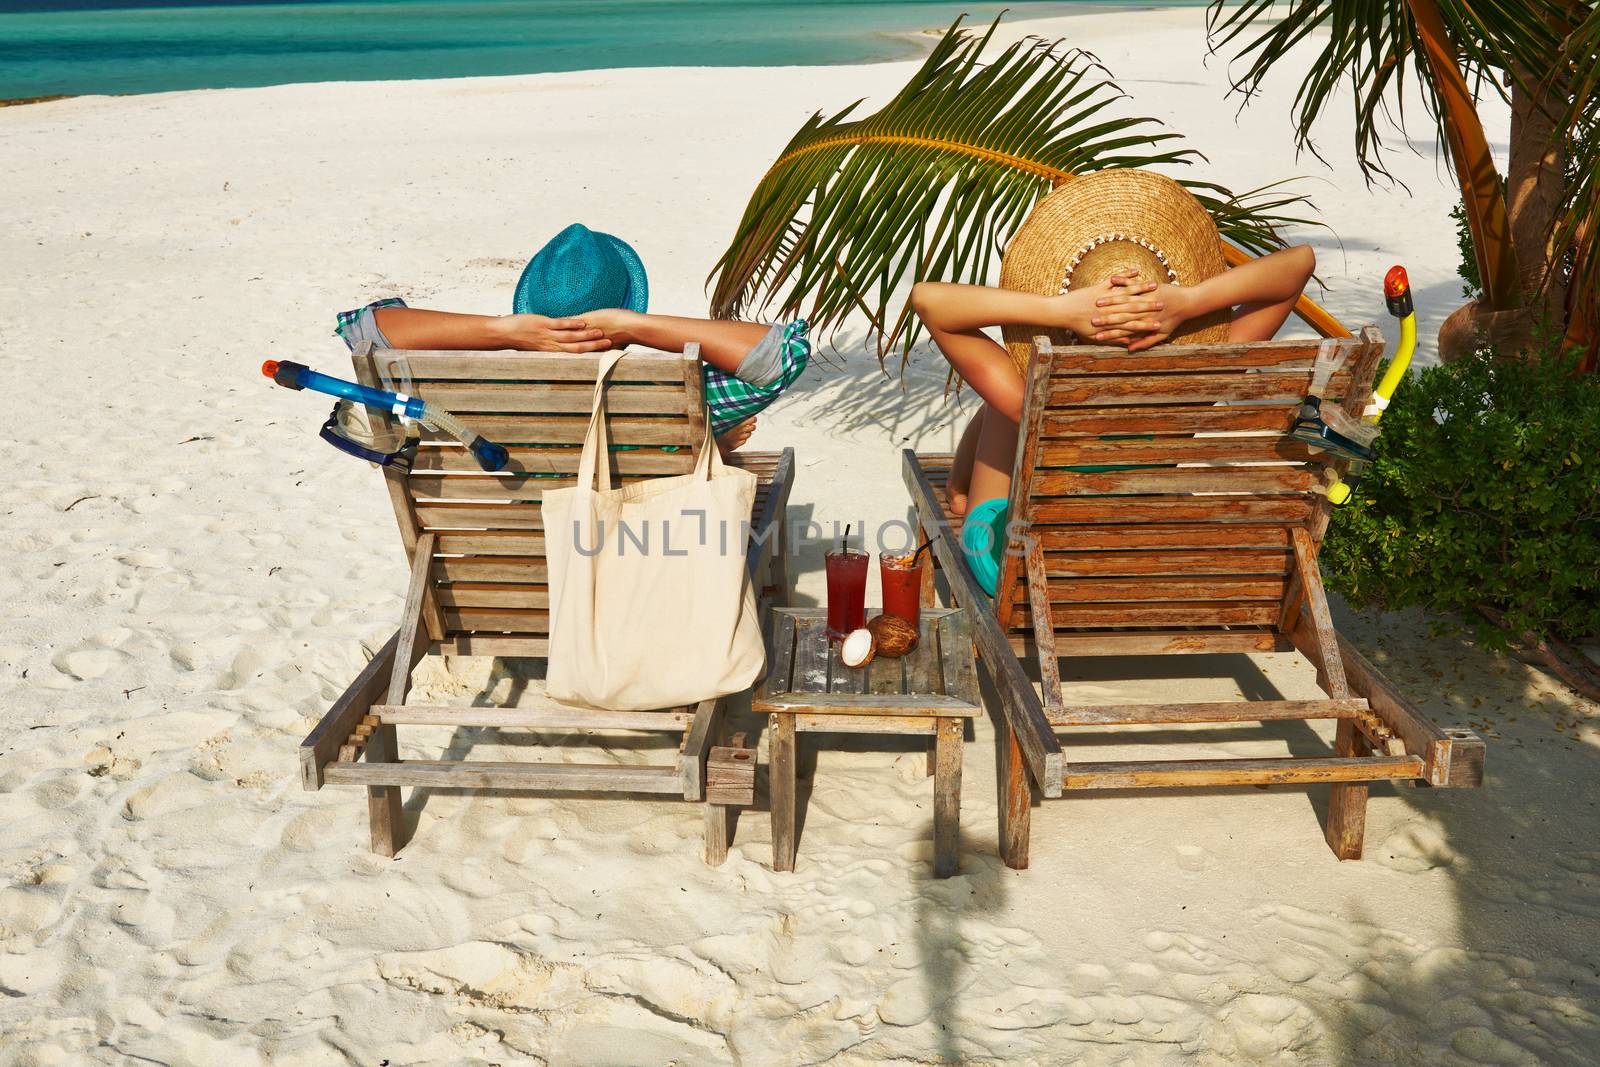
(89, 662)
(246, 666)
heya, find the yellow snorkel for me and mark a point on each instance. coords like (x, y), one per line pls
(1397, 295)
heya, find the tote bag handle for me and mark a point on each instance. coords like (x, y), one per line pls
(596, 443)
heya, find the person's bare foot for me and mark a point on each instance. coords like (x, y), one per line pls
(730, 440)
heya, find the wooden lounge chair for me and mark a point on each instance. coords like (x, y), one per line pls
(1163, 557)
(475, 545)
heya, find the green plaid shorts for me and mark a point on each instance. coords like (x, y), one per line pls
(732, 400)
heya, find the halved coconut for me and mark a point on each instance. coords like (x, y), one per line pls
(857, 648)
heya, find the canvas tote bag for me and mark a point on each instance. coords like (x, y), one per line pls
(650, 603)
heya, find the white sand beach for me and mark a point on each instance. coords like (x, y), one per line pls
(192, 577)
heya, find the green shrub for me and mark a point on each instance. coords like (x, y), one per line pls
(1486, 490)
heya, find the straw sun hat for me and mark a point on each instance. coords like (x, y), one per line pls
(1106, 223)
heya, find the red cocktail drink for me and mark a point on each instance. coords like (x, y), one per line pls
(902, 586)
(847, 591)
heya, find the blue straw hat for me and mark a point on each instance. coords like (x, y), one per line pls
(578, 271)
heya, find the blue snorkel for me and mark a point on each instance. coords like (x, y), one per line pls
(490, 456)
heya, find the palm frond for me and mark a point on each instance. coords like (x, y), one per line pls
(934, 183)
(1451, 48)
(1374, 46)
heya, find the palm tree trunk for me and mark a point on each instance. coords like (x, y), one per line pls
(1534, 177)
(1487, 216)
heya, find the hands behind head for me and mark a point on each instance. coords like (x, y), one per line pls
(538, 333)
(1132, 313)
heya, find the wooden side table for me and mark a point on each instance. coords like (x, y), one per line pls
(808, 689)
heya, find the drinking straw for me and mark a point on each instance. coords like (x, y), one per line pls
(918, 553)
(844, 542)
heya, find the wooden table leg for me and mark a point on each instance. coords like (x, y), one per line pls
(781, 767)
(805, 756)
(947, 797)
(717, 835)
(718, 832)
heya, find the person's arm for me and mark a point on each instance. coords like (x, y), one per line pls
(417, 328)
(1264, 290)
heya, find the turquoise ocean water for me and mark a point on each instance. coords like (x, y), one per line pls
(106, 46)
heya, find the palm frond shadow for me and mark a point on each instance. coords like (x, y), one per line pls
(852, 393)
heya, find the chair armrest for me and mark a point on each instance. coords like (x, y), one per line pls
(1023, 710)
(322, 743)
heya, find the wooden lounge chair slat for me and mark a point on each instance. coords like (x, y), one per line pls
(535, 460)
(493, 595)
(1267, 480)
(490, 568)
(1167, 419)
(491, 486)
(1253, 448)
(553, 716)
(472, 774)
(1216, 562)
(446, 515)
(1148, 774)
(1119, 389)
(524, 543)
(1164, 642)
(570, 429)
(468, 644)
(1167, 509)
(1110, 536)
(1104, 359)
(457, 515)
(517, 367)
(1219, 711)
(473, 397)
(1199, 588)
(1188, 613)
(498, 620)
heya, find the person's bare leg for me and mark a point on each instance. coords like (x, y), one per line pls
(960, 480)
(996, 454)
(723, 343)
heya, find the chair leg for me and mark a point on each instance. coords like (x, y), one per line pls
(719, 832)
(778, 568)
(781, 768)
(1347, 807)
(947, 797)
(385, 817)
(1016, 802)
(719, 817)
